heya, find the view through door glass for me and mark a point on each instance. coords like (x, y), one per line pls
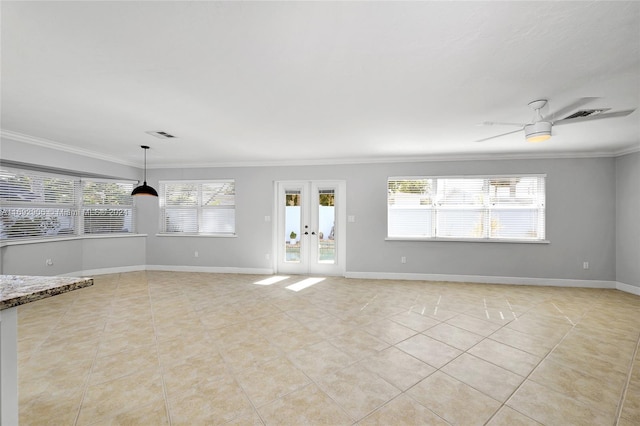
(293, 221)
(326, 225)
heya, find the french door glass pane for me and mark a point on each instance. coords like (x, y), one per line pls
(292, 222)
(326, 223)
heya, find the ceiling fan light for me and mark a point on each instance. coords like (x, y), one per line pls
(540, 138)
(538, 132)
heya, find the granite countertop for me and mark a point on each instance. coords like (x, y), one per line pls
(18, 290)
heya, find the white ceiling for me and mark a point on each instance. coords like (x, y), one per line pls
(315, 82)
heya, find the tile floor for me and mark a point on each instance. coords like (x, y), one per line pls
(157, 348)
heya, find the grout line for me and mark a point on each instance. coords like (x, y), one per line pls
(321, 304)
(530, 373)
(626, 385)
(85, 387)
(155, 340)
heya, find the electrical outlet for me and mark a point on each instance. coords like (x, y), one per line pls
(585, 265)
(403, 259)
(49, 262)
(195, 254)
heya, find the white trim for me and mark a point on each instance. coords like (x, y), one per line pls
(552, 282)
(212, 269)
(108, 180)
(478, 279)
(628, 288)
(47, 143)
(462, 176)
(187, 181)
(629, 150)
(105, 271)
(74, 238)
(468, 240)
(414, 159)
(184, 234)
(171, 268)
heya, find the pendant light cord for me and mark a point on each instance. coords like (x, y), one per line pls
(145, 165)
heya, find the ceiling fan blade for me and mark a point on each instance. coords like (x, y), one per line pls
(569, 108)
(594, 117)
(501, 123)
(498, 136)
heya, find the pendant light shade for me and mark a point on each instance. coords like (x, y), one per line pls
(144, 189)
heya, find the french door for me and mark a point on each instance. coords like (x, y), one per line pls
(310, 227)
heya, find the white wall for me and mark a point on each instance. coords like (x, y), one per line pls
(628, 219)
(82, 256)
(581, 223)
(77, 255)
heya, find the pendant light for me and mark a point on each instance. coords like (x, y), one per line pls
(144, 189)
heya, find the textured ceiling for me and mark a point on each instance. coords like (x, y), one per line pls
(288, 82)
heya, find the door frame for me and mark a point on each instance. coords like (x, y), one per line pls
(340, 227)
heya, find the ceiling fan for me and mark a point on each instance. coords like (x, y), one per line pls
(539, 129)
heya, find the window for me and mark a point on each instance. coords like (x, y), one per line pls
(198, 207)
(35, 205)
(476, 208)
(107, 206)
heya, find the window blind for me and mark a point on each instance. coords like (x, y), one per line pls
(36, 205)
(198, 207)
(459, 207)
(107, 207)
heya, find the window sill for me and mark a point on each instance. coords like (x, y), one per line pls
(198, 235)
(72, 238)
(469, 240)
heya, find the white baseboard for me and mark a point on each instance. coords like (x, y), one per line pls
(212, 269)
(105, 271)
(628, 288)
(553, 282)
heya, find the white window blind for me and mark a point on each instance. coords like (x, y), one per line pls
(483, 207)
(107, 206)
(36, 205)
(198, 207)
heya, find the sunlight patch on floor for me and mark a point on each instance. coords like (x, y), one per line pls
(301, 285)
(271, 280)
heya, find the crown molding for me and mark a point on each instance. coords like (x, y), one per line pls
(47, 143)
(628, 150)
(413, 159)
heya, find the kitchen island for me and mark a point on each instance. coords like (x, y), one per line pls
(16, 290)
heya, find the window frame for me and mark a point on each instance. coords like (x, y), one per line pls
(434, 207)
(198, 207)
